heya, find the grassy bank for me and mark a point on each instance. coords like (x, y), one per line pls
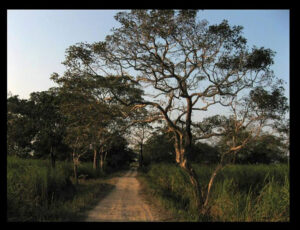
(35, 192)
(240, 192)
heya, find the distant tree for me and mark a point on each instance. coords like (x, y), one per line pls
(265, 149)
(50, 125)
(159, 148)
(204, 153)
(20, 126)
(282, 127)
(139, 133)
(36, 126)
(118, 154)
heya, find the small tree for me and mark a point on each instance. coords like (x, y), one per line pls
(78, 140)
(250, 116)
(49, 122)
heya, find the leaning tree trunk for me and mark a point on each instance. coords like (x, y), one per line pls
(209, 186)
(185, 165)
(182, 150)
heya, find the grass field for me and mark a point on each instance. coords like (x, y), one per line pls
(240, 192)
(35, 192)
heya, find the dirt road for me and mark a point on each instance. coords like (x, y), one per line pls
(124, 203)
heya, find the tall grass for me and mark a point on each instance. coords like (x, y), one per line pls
(36, 192)
(32, 186)
(171, 186)
(240, 192)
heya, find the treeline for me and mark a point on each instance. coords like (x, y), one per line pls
(267, 149)
(38, 129)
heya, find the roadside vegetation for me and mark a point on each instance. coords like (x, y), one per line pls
(241, 193)
(36, 192)
(254, 189)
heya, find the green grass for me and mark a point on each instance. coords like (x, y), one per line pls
(88, 194)
(240, 192)
(36, 192)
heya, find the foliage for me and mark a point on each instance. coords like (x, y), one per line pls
(20, 126)
(159, 148)
(266, 149)
(50, 124)
(204, 153)
(119, 156)
(36, 125)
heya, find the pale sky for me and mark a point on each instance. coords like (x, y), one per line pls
(37, 40)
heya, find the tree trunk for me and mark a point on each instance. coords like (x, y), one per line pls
(212, 178)
(52, 156)
(182, 150)
(177, 148)
(105, 155)
(234, 156)
(95, 162)
(75, 162)
(184, 164)
(141, 156)
(101, 161)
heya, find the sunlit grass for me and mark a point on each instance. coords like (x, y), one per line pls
(35, 192)
(240, 192)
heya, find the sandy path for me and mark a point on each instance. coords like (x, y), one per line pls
(124, 203)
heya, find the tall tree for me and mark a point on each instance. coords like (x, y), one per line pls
(184, 66)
